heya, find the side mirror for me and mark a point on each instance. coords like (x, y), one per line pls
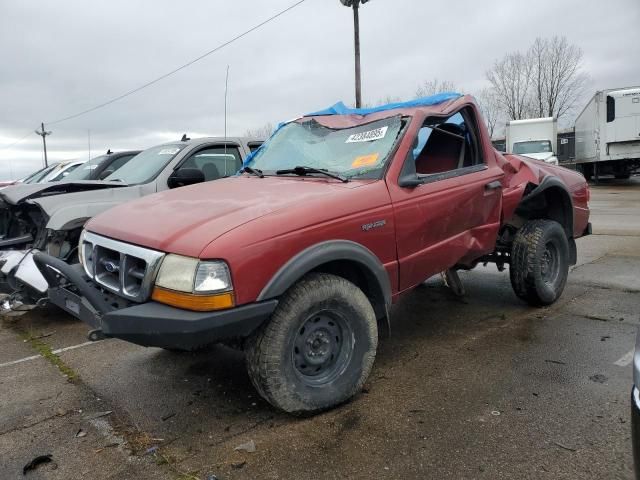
(184, 177)
(410, 181)
(104, 174)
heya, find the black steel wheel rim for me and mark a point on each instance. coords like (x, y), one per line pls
(322, 348)
(550, 263)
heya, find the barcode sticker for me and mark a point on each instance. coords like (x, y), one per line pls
(168, 151)
(368, 136)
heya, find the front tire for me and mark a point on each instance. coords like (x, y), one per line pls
(318, 348)
(539, 262)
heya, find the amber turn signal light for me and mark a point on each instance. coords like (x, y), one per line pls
(189, 301)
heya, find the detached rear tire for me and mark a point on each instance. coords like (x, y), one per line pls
(539, 262)
(318, 348)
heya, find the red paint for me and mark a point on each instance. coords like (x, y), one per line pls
(256, 225)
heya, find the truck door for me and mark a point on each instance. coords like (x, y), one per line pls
(454, 215)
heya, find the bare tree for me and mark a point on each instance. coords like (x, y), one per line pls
(510, 78)
(558, 81)
(546, 81)
(262, 132)
(431, 87)
(388, 99)
(489, 104)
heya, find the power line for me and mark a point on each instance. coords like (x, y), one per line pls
(16, 142)
(182, 67)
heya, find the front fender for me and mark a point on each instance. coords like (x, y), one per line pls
(324, 253)
(74, 216)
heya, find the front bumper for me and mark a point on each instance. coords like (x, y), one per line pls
(635, 429)
(18, 268)
(149, 324)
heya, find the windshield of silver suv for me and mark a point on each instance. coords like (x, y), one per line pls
(350, 152)
(146, 166)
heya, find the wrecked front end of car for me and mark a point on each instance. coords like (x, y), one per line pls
(23, 231)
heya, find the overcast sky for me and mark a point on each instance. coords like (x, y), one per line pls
(58, 58)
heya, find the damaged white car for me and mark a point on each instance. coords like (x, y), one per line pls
(50, 217)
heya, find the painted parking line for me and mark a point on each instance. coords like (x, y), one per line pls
(625, 360)
(35, 357)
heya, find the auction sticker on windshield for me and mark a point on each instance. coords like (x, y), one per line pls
(368, 136)
(168, 151)
(365, 160)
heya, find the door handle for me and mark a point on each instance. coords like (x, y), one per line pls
(493, 185)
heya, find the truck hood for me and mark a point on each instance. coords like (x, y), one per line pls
(15, 194)
(71, 210)
(187, 219)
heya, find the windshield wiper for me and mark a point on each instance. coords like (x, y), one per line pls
(302, 171)
(253, 171)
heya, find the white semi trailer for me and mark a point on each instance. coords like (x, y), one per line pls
(535, 137)
(608, 134)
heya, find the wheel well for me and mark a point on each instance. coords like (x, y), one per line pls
(552, 203)
(360, 276)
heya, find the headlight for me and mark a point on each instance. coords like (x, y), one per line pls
(177, 273)
(84, 254)
(193, 284)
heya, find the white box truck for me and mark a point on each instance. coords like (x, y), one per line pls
(608, 134)
(535, 138)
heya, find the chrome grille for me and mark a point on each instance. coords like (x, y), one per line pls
(122, 268)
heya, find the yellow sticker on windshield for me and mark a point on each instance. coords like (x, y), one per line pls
(365, 160)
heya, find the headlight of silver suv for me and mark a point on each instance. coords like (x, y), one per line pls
(193, 284)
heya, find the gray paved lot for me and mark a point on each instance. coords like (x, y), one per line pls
(480, 387)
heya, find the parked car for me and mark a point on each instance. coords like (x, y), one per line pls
(61, 170)
(38, 175)
(99, 168)
(334, 218)
(50, 217)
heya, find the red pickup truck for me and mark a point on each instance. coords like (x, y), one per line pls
(301, 254)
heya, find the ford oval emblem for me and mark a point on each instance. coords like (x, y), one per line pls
(110, 266)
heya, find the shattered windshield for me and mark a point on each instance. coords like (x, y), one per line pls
(83, 172)
(145, 166)
(537, 146)
(351, 152)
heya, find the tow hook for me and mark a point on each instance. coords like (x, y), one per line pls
(96, 335)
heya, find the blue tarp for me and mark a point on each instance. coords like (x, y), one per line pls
(341, 109)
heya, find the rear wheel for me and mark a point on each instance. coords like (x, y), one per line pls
(318, 348)
(539, 262)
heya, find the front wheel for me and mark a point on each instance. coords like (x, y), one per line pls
(318, 348)
(539, 262)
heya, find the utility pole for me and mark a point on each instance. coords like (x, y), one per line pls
(355, 4)
(43, 133)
